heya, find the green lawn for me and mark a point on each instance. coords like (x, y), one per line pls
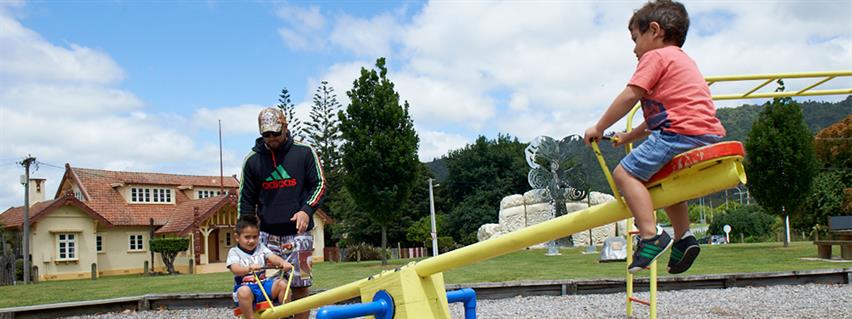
(523, 265)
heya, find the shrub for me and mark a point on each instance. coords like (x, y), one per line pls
(367, 252)
(751, 221)
(168, 248)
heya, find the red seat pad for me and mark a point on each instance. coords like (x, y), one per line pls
(702, 154)
(258, 307)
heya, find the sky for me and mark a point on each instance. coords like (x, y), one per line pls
(141, 85)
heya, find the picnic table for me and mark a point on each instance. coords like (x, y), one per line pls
(840, 234)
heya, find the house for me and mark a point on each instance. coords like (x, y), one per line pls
(102, 221)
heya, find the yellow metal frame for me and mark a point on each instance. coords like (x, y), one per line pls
(818, 77)
(416, 285)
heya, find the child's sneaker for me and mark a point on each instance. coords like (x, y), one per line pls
(684, 252)
(648, 250)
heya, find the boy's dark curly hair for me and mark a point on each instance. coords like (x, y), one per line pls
(671, 16)
(246, 221)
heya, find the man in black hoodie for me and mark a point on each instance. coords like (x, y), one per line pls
(283, 184)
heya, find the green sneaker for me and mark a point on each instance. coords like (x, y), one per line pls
(684, 252)
(649, 250)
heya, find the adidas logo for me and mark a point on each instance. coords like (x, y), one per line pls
(279, 178)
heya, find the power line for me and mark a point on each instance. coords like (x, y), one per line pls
(50, 165)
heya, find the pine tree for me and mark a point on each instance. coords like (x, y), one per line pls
(379, 149)
(323, 133)
(780, 158)
(323, 129)
(289, 110)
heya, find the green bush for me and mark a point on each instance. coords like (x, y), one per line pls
(751, 221)
(367, 252)
(169, 244)
(168, 248)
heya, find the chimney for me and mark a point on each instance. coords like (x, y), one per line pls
(37, 190)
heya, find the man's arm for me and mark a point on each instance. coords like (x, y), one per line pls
(249, 187)
(315, 182)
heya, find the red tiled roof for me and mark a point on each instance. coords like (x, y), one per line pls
(14, 217)
(184, 216)
(107, 201)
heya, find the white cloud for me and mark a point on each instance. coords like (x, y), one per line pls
(63, 104)
(340, 76)
(552, 68)
(25, 56)
(435, 144)
(241, 119)
(366, 37)
(302, 27)
(435, 102)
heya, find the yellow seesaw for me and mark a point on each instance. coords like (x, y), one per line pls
(418, 290)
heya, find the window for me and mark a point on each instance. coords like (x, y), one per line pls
(150, 195)
(228, 239)
(135, 243)
(67, 246)
(100, 243)
(78, 195)
(207, 193)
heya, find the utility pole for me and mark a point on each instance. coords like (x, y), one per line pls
(432, 213)
(221, 169)
(26, 163)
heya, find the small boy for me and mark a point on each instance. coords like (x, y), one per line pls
(246, 260)
(679, 116)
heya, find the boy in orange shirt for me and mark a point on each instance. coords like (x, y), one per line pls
(679, 116)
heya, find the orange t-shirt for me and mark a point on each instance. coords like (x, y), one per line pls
(677, 98)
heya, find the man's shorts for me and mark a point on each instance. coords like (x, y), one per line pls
(295, 249)
(658, 149)
(255, 290)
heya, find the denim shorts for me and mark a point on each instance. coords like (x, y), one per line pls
(255, 290)
(660, 147)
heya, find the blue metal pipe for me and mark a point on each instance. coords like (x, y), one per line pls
(381, 307)
(466, 295)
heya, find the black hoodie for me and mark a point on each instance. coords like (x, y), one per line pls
(280, 184)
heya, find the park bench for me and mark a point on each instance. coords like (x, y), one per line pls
(840, 234)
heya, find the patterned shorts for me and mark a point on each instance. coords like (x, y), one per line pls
(295, 249)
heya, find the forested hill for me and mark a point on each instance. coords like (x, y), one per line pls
(737, 121)
(818, 115)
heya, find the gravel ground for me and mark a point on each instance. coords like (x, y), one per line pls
(800, 301)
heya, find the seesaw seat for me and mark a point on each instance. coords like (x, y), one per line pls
(258, 307)
(697, 157)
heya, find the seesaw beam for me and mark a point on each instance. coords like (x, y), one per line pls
(699, 180)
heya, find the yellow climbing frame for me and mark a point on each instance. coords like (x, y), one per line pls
(762, 80)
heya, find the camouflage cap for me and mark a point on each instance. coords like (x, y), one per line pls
(271, 119)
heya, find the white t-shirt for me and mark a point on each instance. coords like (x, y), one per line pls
(238, 256)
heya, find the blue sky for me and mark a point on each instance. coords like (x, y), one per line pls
(140, 85)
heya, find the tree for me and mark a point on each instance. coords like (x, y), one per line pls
(379, 148)
(168, 248)
(825, 200)
(833, 145)
(323, 132)
(421, 231)
(289, 110)
(780, 158)
(480, 175)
